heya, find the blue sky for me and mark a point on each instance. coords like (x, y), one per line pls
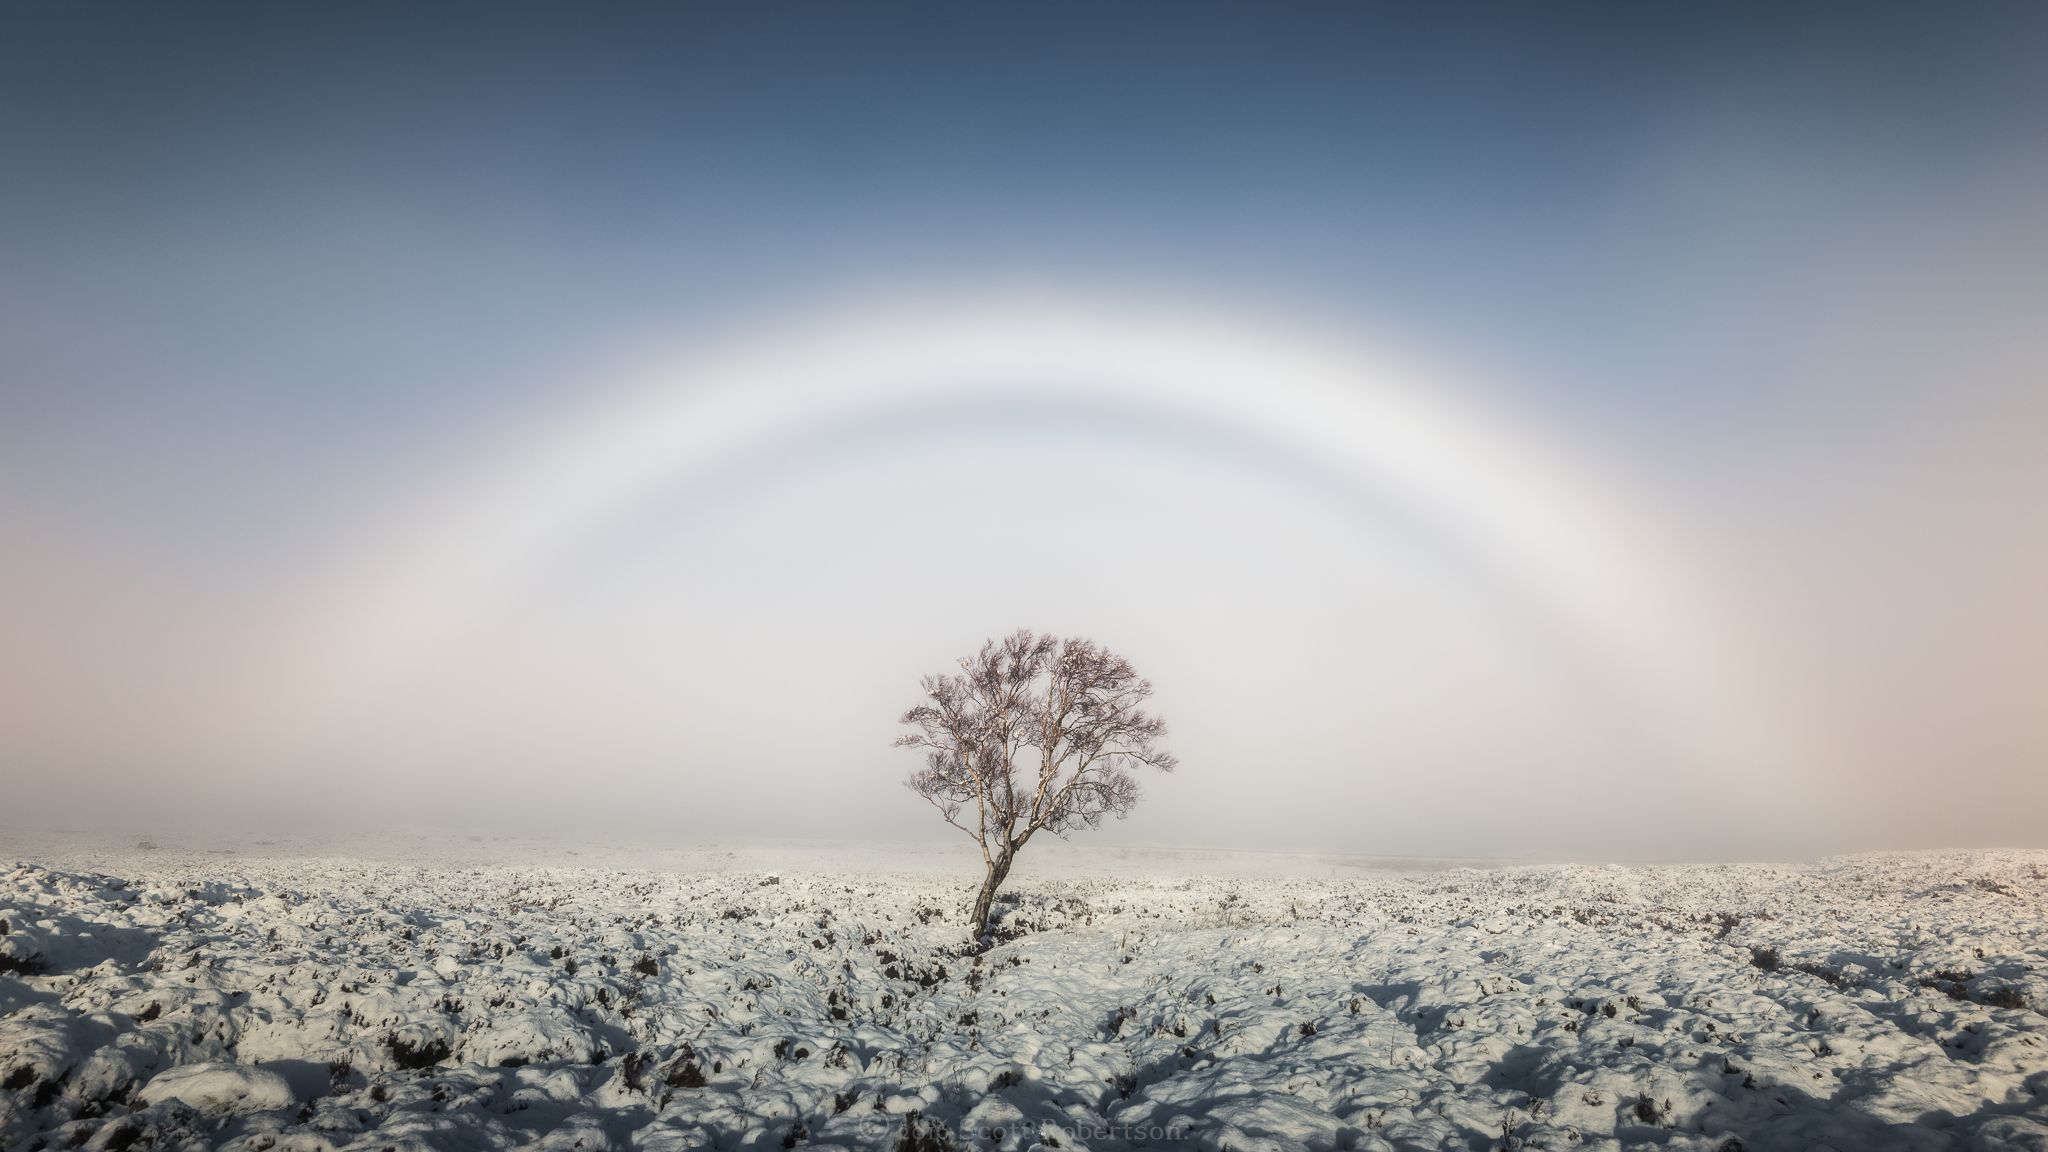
(273, 280)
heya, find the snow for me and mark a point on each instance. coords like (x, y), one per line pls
(484, 995)
(234, 1089)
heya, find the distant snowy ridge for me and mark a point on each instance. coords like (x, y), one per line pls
(1882, 1001)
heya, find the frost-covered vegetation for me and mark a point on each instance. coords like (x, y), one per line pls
(1873, 1002)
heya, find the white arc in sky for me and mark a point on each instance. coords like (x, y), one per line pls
(1369, 421)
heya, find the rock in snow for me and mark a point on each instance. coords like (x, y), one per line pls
(1871, 1002)
(220, 1089)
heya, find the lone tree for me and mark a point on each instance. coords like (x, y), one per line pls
(1035, 733)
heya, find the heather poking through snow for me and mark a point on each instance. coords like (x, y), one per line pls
(1884, 1001)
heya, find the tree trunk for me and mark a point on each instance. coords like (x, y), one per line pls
(997, 873)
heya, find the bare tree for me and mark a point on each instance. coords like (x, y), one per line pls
(1035, 733)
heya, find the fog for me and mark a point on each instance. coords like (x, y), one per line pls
(1629, 451)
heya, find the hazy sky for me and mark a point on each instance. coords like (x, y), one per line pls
(1591, 430)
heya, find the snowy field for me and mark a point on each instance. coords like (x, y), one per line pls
(464, 992)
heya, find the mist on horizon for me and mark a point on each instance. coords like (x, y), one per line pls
(1606, 434)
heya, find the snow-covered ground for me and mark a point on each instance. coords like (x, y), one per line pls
(489, 994)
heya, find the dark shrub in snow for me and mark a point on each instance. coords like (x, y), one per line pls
(413, 1053)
